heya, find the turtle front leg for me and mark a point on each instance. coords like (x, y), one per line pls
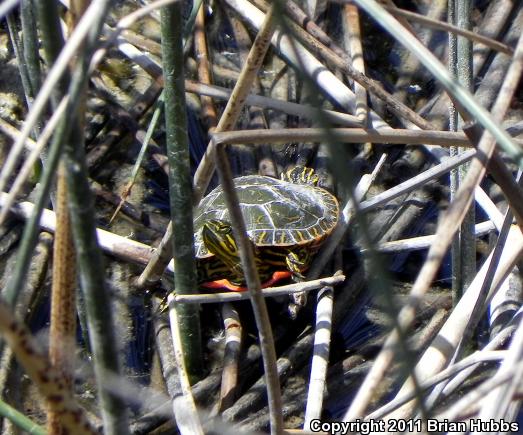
(298, 261)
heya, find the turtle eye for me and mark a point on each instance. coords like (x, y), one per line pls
(225, 229)
(219, 226)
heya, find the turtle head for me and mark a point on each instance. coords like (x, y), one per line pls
(301, 175)
(218, 239)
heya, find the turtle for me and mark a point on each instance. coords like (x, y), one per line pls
(286, 219)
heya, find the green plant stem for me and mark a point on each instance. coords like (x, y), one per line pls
(18, 50)
(180, 186)
(50, 26)
(453, 151)
(189, 25)
(463, 249)
(20, 420)
(464, 74)
(30, 45)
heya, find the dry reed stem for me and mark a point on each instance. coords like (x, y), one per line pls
(496, 404)
(499, 340)
(153, 69)
(471, 401)
(302, 110)
(62, 333)
(470, 362)
(440, 25)
(209, 115)
(462, 201)
(185, 411)
(303, 20)
(443, 346)
(351, 21)
(298, 56)
(503, 177)
(320, 358)
(323, 47)
(48, 380)
(345, 65)
(202, 178)
(231, 358)
(417, 181)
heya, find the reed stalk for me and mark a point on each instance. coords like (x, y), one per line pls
(30, 46)
(20, 420)
(180, 188)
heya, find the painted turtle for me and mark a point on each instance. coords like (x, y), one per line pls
(287, 220)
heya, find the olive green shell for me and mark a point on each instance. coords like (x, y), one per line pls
(277, 213)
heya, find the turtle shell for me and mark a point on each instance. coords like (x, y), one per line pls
(276, 212)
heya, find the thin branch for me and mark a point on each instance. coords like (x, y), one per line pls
(253, 283)
(266, 292)
(436, 24)
(344, 135)
(424, 242)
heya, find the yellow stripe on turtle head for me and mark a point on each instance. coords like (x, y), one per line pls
(218, 238)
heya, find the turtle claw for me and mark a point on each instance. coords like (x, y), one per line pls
(297, 302)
